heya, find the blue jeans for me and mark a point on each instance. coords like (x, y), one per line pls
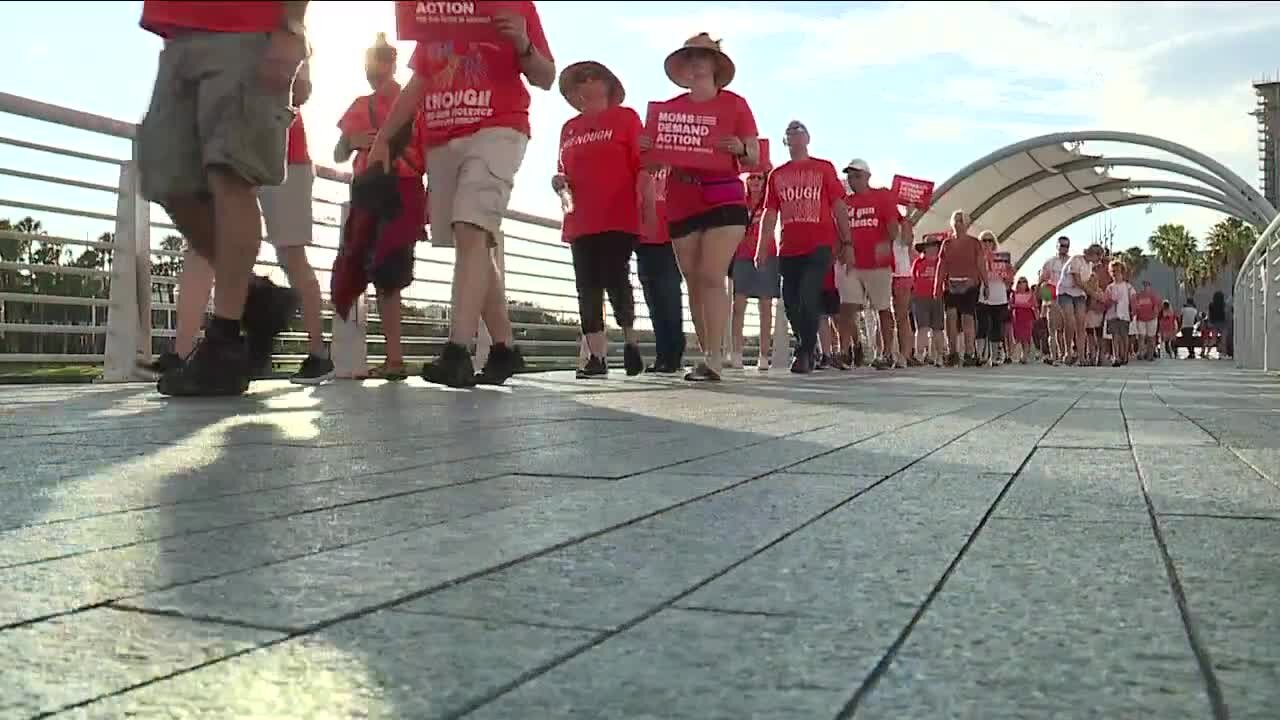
(660, 280)
(802, 294)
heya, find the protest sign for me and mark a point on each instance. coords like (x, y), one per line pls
(912, 192)
(456, 20)
(685, 135)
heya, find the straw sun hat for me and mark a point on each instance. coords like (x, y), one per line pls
(573, 76)
(676, 61)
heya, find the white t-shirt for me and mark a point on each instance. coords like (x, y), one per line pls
(1067, 283)
(997, 293)
(1189, 315)
(1119, 293)
(1052, 270)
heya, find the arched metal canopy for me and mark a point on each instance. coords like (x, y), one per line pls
(1027, 191)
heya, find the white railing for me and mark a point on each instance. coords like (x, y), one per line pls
(133, 281)
(1257, 304)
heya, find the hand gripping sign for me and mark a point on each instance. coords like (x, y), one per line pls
(456, 20)
(912, 192)
(685, 135)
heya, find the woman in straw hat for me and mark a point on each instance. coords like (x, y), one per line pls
(707, 211)
(603, 186)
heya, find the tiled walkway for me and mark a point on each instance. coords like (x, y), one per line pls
(1026, 542)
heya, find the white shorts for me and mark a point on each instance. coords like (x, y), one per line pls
(872, 289)
(1143, 328)
(286, 209)
(469, 180)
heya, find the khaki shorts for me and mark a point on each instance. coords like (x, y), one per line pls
(207, 110)
(470, 180)
(1143, 328)
(286, 209)
(872, 289)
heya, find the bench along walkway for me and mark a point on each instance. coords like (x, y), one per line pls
(1018, 542)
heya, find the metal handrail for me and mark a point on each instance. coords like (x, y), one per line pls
(1256, 325)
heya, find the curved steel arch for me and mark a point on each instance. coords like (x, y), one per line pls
(1262, 210)
(1151, 200)
(1052, 203)
(1227, 197)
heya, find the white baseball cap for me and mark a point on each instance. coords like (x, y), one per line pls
(858, 164)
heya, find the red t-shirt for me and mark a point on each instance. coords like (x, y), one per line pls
(478, 85)
(1024, 300)
(684, 199)
(1145, 306)
(870, 214)
(600, 156)
(923, 271)
(167, 18)
(751, 240)
(829, 280)
(297, 143)
(803, 193)
(357, 120)
(659, 234)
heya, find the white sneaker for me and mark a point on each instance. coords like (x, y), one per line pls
(734, 361)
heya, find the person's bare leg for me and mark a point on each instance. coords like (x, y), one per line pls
(969, 323)
(494, 311)
(765, 306)
(237, 235)
(826, 338)
(953, 331)
(472, 274)
(389, 311)
(739, 325)
(687, 255)
(847, 324)
(194, 285)
(302, 277)
(902, 318)
(717, 248)
(887, 341)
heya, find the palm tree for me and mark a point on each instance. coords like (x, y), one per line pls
(1230, 241)
(1136, 260)
(1174, 246)
(1200, 271)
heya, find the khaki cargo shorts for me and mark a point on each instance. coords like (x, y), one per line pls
(207, 110)
(470, 180)
(286, 208)
(872, 289)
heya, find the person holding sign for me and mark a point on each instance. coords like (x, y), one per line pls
(993, 305)
(755, 275)
(476, 112)
(866, 278)
(806, 196)
(707, 208)
(599, 171)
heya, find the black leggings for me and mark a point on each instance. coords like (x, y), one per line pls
(602, 264)
(991, 322)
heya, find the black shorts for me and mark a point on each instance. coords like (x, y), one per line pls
(722, 216)
(830, 302)
(602, 261)
(965, 303)
(394, 273)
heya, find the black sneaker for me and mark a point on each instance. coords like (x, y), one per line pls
(881, 363)
(802, 365)
(856, 357)
(824, 362)
(453, 368)
(315, 370)
(218, 366)
(702, 373)
(166, 362)
(267, 310)
(631, 359)
(971, 361)
(596, 367)
(953, 360)
(502, 363)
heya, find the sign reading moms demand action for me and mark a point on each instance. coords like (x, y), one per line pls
(449, 20)
(684, 136)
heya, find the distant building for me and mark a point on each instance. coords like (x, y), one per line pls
(1268, 116)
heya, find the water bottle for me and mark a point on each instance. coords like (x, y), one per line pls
(566, 200)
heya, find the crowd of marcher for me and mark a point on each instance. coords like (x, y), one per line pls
(857, 286)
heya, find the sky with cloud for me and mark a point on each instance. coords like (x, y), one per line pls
(918, 88)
